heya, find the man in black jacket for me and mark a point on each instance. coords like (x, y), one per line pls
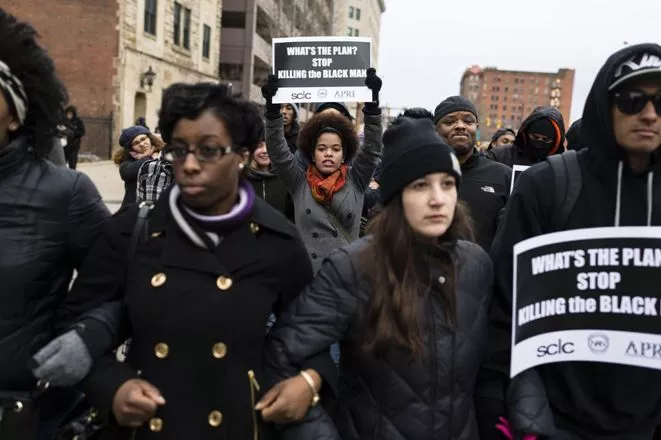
(290, 117)
(542, 134)
(48, 218)
(75, 132)
(486, 184)
(621, 130)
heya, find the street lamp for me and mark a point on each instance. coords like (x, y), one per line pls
(147, 78)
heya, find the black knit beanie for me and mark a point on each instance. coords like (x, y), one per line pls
(453, 104)
(411, 150)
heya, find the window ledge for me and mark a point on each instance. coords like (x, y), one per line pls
(181, 50)
(150, 36)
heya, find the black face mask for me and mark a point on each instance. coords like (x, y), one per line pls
(538, 149)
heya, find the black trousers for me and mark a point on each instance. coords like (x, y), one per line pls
(71, 155)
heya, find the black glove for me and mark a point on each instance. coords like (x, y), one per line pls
(268, 92)
(374, 83)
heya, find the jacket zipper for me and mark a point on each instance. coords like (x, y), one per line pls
(432, 339)
(263, 189)
(254, 389)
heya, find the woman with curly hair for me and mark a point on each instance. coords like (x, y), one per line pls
(328, 195)
(139, 145)
(48, 217)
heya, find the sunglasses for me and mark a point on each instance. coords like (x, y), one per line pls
(202, 153)
(633, 102)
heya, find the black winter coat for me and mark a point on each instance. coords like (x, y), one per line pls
(485, 188)
(270, 188)
(49, 215)
(595, 400)
(198, 319)
(128, 171)
(394, 398)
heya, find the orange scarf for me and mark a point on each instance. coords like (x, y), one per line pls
(324, 187)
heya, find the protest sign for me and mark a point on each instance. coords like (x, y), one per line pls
(320, 69)
(588, 295)
(516, 172)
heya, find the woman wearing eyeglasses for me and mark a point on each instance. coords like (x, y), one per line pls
(541, 135)
(139, 145)
(212, 264)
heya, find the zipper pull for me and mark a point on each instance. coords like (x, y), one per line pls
(253, 379)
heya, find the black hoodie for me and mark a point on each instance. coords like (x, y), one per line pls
(519, 152)
(598, 401)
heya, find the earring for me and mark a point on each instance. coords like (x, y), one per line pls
(241, 166)
(13, 126)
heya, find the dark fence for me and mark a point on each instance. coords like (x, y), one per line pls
(98, 136)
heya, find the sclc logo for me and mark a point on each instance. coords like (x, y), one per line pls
(555, 348)
(301, 95)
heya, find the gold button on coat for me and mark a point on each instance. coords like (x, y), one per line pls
(155, 424)
(219, 350)
(223, 282)
(215, 418)
(158, 280)
(254, 228)
(161, 350)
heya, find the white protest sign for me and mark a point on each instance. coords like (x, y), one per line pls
(588, 295)
(516, 172)
(320, 69)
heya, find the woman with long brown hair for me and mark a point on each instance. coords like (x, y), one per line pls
(408, 304)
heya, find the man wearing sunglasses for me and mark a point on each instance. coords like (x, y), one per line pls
(542, 134)
(620, 186)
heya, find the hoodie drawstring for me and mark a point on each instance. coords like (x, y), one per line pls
(618, 199)
(650, 182)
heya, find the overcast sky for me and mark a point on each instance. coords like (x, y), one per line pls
(427, 44)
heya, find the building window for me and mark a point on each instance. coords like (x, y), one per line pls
(351, 11)
(187, 14)
(150, 16)
(177, 23)
(206, 42)
(350, 31)
(356, 33)
(358, 14)
(181, 26)
(233, 19)
(231, 71)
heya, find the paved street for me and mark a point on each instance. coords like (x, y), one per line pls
(105, 175)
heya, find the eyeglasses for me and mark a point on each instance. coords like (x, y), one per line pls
(201, 152)
(633, 102)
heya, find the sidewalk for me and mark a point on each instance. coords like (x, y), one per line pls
(105, 175)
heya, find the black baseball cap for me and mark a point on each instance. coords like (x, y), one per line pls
(643, 63)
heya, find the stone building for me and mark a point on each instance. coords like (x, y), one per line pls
(108, 52)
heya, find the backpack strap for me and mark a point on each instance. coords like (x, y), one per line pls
(568, 184)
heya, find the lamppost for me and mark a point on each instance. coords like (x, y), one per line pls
(147, 79)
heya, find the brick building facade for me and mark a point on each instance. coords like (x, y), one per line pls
(82, 37)
(504, 98)
(102, 48)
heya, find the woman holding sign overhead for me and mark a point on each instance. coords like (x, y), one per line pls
(408, 304)
(328, 195)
